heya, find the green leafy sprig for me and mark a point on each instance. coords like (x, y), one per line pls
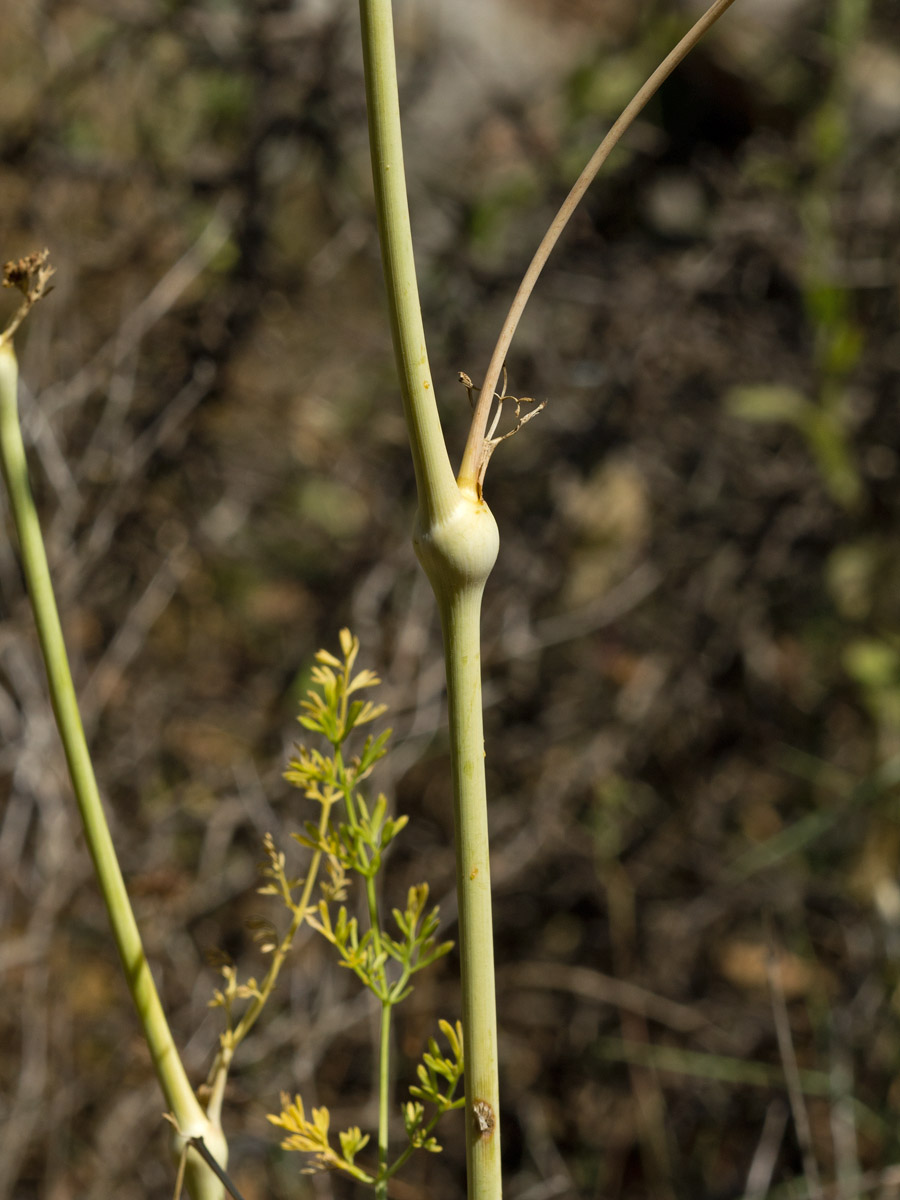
(439, 1076)
(327, 780)
(351, 838)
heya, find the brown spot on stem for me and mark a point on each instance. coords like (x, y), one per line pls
(484, 1119)
(473, 872)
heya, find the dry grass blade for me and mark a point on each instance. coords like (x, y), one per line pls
(478, 447)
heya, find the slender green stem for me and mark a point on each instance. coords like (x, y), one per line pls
(372, 903)
(170, 1071)
(346, 787)
(456, 541)
(218, 1074)
(399, 985)
(460, 622)
(384, 1047)
(457, 556)
(429, 1128)
(434, 475)
(384, 1097)
(248, 1020)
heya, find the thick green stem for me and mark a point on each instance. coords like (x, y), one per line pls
(460, 622)
(170, 1071)
(458, 557)
(434, 475)
(456, 540)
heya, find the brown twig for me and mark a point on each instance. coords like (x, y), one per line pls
(31, 276)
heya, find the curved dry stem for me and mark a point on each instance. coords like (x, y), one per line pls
(478, 448)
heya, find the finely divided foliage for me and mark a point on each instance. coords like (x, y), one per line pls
(351, 837)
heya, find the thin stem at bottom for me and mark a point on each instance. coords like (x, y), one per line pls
(460, 618)
(384, 1083)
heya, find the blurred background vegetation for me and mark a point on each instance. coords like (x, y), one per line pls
(692, 639)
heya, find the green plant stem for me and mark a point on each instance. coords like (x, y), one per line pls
(190, 1117)
(384, 1096)
(345, 785)
(460, 621)
(457, 557)
(456, 541)
(374, 924)
(384, 1048)
(403, 1158)
(434, 476)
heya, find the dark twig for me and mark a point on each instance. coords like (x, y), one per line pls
(200, 1146)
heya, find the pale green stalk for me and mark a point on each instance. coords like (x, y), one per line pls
(456, 541)
(460, 617)
(437, 490)
(457, 557)
(180, 1098)
(384, 1050)
(384, 1097)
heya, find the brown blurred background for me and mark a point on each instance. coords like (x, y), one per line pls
(692, 637)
